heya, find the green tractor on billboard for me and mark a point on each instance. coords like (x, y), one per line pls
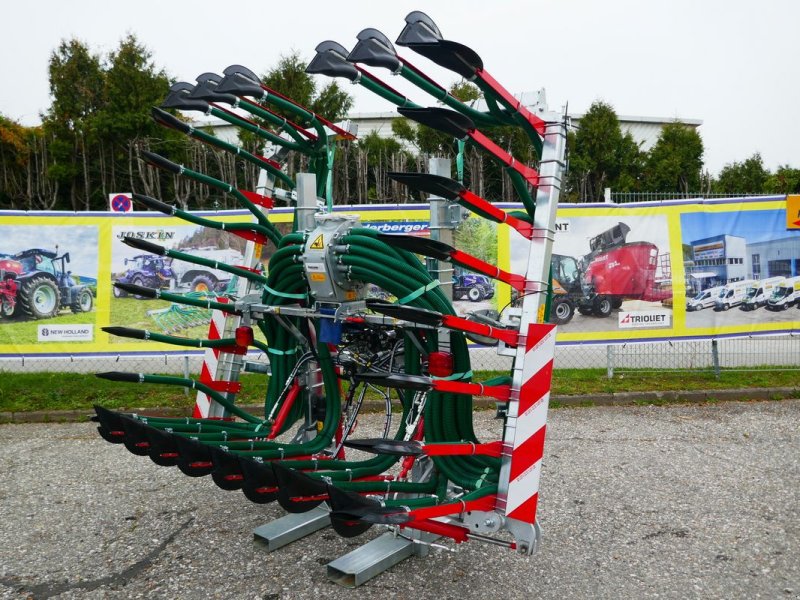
(45, 286)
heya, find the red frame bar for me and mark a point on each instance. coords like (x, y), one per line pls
(500, 392)
(530, 175)
(476, 264)
(280, 418)
(510, 337)
(494, 449)
(451, 508)
(523, 228)
(538, 124)
(220, 385)
(257, 198)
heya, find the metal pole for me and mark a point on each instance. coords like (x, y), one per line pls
(186, 374)
(715, 357)
(610, 361)
(441, 228)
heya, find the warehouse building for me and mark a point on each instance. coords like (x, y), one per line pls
(717, 260)
(774, 258)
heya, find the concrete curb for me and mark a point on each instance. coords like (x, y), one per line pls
(609, 399)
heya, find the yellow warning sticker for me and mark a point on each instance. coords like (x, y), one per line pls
(316, 276)
(318, 244)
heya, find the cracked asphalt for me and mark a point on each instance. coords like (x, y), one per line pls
(682, 501)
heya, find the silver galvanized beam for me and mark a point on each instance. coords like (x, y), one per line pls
(290, 528)
(375, 557)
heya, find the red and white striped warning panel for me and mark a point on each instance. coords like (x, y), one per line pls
(531, 423)
(208, 373)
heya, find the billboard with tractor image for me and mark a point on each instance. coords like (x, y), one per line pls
(619, 272)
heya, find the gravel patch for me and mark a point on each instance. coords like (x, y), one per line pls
(686, 501)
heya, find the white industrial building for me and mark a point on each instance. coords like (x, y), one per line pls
(644, 130)
(774, 258)
(717, 260)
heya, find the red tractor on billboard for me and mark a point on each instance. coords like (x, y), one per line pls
(617, 270)
(10, 270)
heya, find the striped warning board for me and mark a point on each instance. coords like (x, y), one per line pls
(208, 373)
(531, 423)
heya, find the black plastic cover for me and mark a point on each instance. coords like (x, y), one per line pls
(456, 57)
(384, 446)
(163, 450)
(207, 90)
(418, 245)
(158, 205)
(240, 85)
(182, 101)
(436, 185)
(443, 119)
(259, 479)
(419, 29)
(162, 163)
(243, 71)
(144, 245)
(136, 290)
(209, 76)
(347, 509)
(126, 332)
(418, 383)
(331, 60)
(118, 376)
(374, 49)
(406, 313)
(162, 117)
(293, 485)
(194, 459)
(227, 472)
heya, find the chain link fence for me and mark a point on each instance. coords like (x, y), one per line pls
(774, 352)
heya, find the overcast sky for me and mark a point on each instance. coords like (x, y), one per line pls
(731, 63)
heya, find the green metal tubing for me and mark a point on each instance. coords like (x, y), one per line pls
(226, 187)
(303, 144)
(259, 131)
(209, 304)
(213, 264)
(196, 385)
(480, 119)
(201, 135)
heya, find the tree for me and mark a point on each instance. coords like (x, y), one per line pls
(748, 177)
(133, 84)
(76, 85)
(785, 180)
(601, 156)
(675, 163)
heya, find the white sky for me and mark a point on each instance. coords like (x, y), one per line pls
(731, 63)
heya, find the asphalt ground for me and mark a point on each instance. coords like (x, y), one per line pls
(679, 501)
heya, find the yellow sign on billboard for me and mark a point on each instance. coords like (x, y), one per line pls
(793, 211)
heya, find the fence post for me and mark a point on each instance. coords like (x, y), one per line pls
(610, 361)
(715, 357)
(186, 374)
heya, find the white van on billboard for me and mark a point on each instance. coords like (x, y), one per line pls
(785, 294)
(732, 294)
(704, 299)
(758, 293)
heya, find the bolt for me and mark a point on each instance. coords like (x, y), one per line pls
(489, 523)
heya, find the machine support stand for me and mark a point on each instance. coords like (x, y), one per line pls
(290, 528)
(375, 557)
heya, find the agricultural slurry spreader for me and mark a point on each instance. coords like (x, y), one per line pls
(329, 344)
